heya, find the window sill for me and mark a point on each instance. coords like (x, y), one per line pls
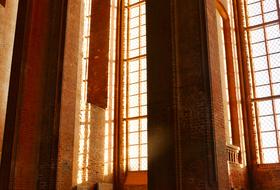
(269, 166)
(136, 178)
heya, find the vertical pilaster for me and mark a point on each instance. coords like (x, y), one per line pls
(32, 123)
(185, 113)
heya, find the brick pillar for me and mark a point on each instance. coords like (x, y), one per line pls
(30, 146)
(185, 114)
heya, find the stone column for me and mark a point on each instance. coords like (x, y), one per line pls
(185, 113)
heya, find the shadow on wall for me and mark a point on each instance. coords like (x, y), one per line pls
(3, 2)
(97, 186)
(84, 186)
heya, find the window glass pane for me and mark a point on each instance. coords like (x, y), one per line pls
(133, 164)
(133, 112)
(133, 101)
(258, 49)
(133, 53)
(134, 12)
(143, 63)
(134, 77)
(277, 106)
(144, 139)
(273, 46)
(143, 110)
(134, 33)
(144, 150)
(143, 50)
(133, 128)
(268, 140)
(260, 63)
(133, 66)
(275, 60)
(254, 9)
(133, 2)
(276, 89)
(143, 75)
(255, 20)
(261, 78)
(263, 91)
(143, 41)
(265, 108)
(144, 99)
(143, 87)
(144, 124)
(275, 75)
(134, 89)
(270, 155)
(143, 9)
(144, 164)
(270, 16)
(257, 35)
(267, 123)
(134, 22)
(278, 122)
(134, 44)
(272, 31)
(269, 5)
(252, 1)
(143, 30)
(133, 125)
(133, 139)
(133, 151)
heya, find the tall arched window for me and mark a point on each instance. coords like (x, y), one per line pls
(230, 80)
(263, 42)
(135, 85)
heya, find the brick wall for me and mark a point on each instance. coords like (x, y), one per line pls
(96, 151)
(217, 96)
(70, 145)
(66, 166)
(238, 176)
(267, 177)
(7, 31)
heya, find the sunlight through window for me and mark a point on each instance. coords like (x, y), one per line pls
(263, 36)
(109, 115)
(85, 109)
(135, 85)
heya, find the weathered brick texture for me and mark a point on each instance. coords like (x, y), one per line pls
(267, 177)
(238, 176)
(70, 103)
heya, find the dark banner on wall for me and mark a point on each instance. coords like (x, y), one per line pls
(98, 53)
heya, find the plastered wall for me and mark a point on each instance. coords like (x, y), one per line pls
(7, 30)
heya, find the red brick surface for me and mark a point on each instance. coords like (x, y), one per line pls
(187, 144)
(267, 177)
(66, 173)
(238, 176)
